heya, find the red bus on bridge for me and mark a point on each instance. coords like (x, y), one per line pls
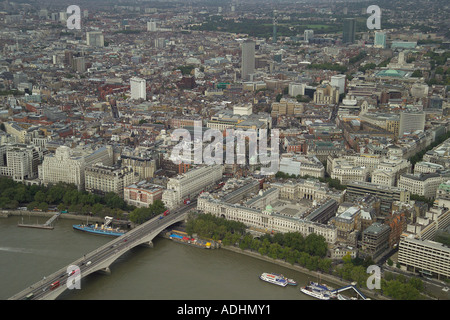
(54, 285)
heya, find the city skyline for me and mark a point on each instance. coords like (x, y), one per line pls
(316, 132)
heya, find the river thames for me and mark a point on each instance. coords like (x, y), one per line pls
(168, 271)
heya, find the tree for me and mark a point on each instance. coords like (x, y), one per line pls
(390, 262)
(417, 74)
(61, 207)
(278, 97)
(43, 206)
(246, 242)
(274, 251)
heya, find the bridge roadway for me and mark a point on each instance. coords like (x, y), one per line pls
(101, 258)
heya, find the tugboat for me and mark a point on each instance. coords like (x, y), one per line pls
(274, 279)
(104, 229)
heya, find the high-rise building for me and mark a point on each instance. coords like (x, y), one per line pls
(410, 122)
(380, 39)
(95, 39)
(309, 34)
(79, 64)
(138, 88)
(348, 35)
(248, 59)
(151, 26)
(296, 89)
(275, 22)
(338, 81)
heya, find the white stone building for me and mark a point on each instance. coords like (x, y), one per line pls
(191, 183)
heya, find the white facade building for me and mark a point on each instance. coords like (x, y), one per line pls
(296, 89)
(102, 179)
(95, 39)
(68, 165)
(191, 183)
(339, 82)
(138, 88)
(63, 167)
(421, 184)
(303, 166)
(411, 122)
(264, 219)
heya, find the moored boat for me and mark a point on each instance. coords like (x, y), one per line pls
(319, 291)
(291, 282)
(104, 229)
(274, 279)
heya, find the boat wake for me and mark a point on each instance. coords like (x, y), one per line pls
(18, 250)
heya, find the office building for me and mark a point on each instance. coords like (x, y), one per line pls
(151, 26)
(348, 35)
(247, 59)
(347, 223)
(190, 184)
(302, 166)
(68, 165)
(100, 179)
(387, 195)
(296, 89)
(326, 94)
(411, 122)
(63, 167)
(19, 161)
(95, 39)
(380, 40)
(338, 81)
(79, 64)
(143, 166)
(422, 184)
(431, 259)
(138, 88)
(286, 107)
(375, 240)
(308, 35)
(142, 194)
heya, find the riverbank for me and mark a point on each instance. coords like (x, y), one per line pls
(314, 274)
(49, 214)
